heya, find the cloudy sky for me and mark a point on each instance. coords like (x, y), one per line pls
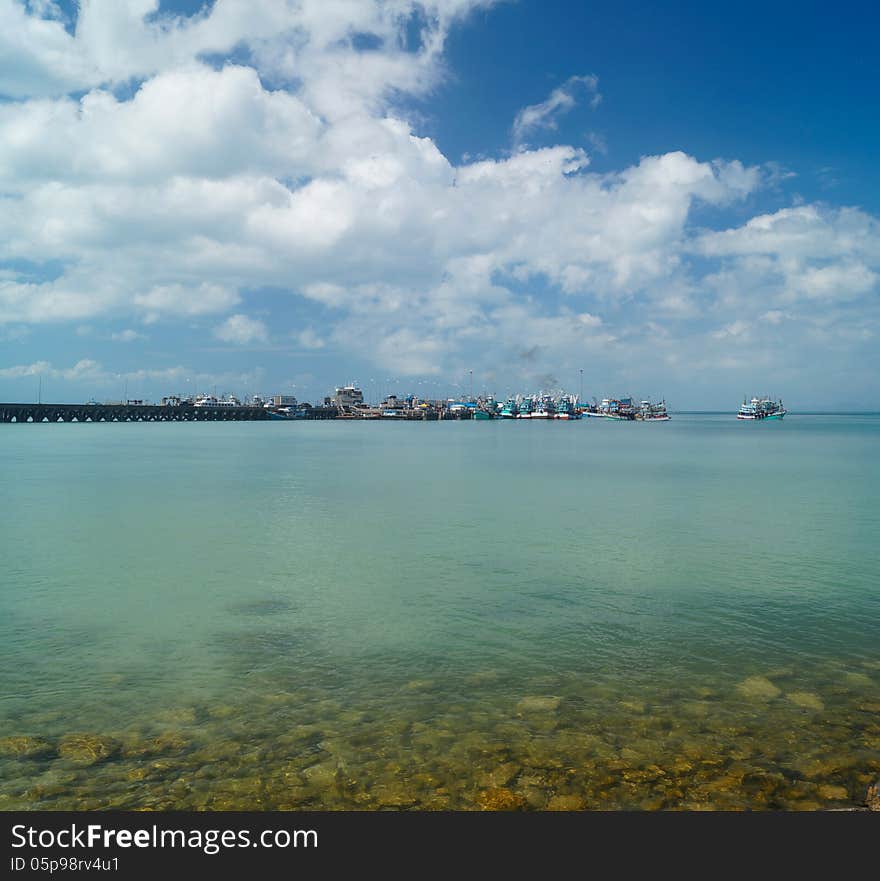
(286, 195)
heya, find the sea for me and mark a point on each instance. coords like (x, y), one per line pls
(441, 616)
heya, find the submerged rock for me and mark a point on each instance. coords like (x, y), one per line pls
(807, 700)
(858, 680)
(758, 688)
(393, 795)
(830, 792)
(566, 803)
(500, 799)
(24, 747)
(634, 706)
(178, 716)
(87, 749)
(419, 685)
(538, 704)
(500, 775)
(161, 744)
(322, 775)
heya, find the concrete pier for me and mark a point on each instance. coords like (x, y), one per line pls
(127, 413)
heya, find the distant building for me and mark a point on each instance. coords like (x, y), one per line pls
(283, 401)
(348, 396)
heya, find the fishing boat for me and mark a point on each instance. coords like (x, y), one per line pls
(510, 409)
(565, 408)
(525, 409)
(761, 408)
(649, 412)
(544, 409)
(621, 410)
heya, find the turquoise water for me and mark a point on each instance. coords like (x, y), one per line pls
(436, 615)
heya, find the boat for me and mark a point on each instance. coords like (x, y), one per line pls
(525, 409)
(565, 408)
(649, 412)
(479, 413)
(622, 410)
(544, 409)
(212, 402)
(761, 408)
(510, 409)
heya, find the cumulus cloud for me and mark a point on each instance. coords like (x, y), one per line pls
(145, 178)
(808, 254)
(96, 374)
(242, 331)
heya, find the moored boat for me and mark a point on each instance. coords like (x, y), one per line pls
(761, 408)
(649, 412)
(621, 410)
(565, 408)
(544, 409)
(510, 409)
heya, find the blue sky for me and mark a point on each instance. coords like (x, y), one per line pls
(275, 197)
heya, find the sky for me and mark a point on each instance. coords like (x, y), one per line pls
(283, 196)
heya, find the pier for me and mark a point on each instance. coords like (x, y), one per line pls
(127, 413)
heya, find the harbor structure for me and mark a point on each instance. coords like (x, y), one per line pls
(181, 411)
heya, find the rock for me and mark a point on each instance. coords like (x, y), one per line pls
(321, 775)
(858, 680)
(758, 688)
(500, 799)
(566, 803)
(419, 685)
(700, 709)
(178, 716)
(167, 742)
(500, 775)
(393, 795)
(538, 704)
(633, 706)
(873, 798)
(23, 747)
(831, 792)
(807, 700)
(87, 749)
(222, 711)
(482, 677)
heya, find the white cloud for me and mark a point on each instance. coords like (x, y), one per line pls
(809, 255)
(310, 339)
(560, 101)
(95, 374)
(242, 331)
(181, 299)
(85, 370)
(126, 336)
(734, 329)
(208, 182)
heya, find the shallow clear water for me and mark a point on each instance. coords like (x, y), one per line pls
(440, 615)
